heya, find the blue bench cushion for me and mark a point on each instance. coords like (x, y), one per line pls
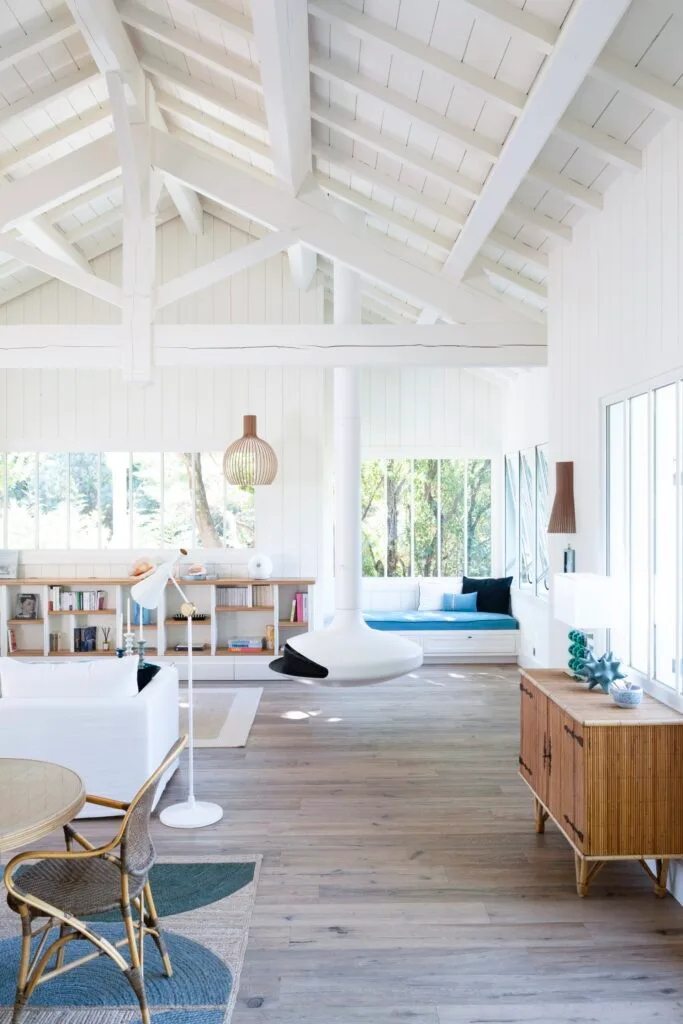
(440, 620)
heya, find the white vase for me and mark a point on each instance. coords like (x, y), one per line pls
(259, 567)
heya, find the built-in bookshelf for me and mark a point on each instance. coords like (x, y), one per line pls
(239, 626)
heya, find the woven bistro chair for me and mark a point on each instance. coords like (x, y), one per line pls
(66, 887)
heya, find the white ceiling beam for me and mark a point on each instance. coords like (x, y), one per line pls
(500, 240)
(318, 230)
(48, 93)
(619, 154)
(51, 240)
(63, 271)
(215, 58)
(95, 224)
(223, 267)
(484, 286)
(113, 52)
(497, 270)
(56, 31)
(140, 196)
(427, 57)
(587, 28)
(652, 91)
(53, 136)
(552, 228)
(281, 35)
(386, 183)
(224, 16)
(177, 108)
(342, 74)
(384, 213)
(58, 181)
(382, 142)
(105, 188)
(245, 112)
(428, 317)
(579, 195)
(522, 25)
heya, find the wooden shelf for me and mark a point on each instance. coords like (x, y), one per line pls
(238, 652)
(26, 654)
(172, 653)
(112, 581)
(183, 622)
(24, 622)
(82, 654)
(288, 622)
(244, 608)
(80, 611)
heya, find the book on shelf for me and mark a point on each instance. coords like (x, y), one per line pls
(247, 643)
(61, 599)
(262, 595)
(299, 609)
(85, 638)
(11, 640)
(195, 647)
(233, 597)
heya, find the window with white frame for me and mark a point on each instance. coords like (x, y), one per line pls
(526, 519)
(98, 500)
(644, 529)
(426, 517)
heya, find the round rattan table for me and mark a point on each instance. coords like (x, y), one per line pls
(36, 797)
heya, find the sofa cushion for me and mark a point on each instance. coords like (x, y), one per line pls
(493, 595)
(432, 591)
(101, 677)
(440, 621)
(460, 602)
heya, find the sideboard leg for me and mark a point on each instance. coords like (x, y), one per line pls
(540, 816)
(661, 875)
(582, 866)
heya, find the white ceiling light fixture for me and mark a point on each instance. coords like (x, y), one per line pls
(347, 652)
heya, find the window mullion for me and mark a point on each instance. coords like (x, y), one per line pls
(651, 512)
(466, 512)
(438, 517)
(412, 517)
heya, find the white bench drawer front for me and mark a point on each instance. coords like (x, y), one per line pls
(477, 642)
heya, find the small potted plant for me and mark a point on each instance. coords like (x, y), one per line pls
(106, 631)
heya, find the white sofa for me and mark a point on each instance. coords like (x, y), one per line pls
(113, 742)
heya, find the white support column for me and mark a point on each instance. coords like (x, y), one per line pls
(303, 264)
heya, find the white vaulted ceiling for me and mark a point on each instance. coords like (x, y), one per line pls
(474, 134)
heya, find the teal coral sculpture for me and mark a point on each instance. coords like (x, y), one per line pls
(602, 671)
(579, 649)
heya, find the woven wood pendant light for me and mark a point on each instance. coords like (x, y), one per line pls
(563, 515)
(250, 462)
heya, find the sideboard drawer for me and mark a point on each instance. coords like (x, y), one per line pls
(477, 642)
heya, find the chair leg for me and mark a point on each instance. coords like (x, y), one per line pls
(153, 922)
(137, 983)
(134, 973)
(24, 964)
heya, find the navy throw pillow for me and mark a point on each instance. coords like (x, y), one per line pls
(493, 595)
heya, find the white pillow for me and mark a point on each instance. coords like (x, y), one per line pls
(432, 591)
(101, 677)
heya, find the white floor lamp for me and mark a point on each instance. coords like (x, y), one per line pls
(148, 592)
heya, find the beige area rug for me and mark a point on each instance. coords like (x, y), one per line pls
(223, 716)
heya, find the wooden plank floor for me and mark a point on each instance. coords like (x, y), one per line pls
(402, 878)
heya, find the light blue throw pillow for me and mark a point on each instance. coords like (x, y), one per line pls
(460, 602)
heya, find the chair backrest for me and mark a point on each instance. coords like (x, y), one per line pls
(137, 849)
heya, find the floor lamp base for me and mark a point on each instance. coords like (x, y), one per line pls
(191, 814)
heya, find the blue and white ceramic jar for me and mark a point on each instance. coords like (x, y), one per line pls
(626, 695)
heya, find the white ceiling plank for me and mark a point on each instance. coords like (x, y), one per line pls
(484, 285)
(652, 91)
(318, 230)
(113, 52)
(427, 317)
(303, 264)
(59, 133)
(58, 181)
(585, 32)
(223, 267)
(170, 105)
(95, 224)
(47, 93)
(63, 271)
(385, 182)
(497, 270)
(619, 154)
(364, 27)
(340, 121)
(552, 228)
(224, 16)
(213, 57)
(336, 71)
(385, 213)
(513, 245)
(51, 241)
(56, 31)
(104, 188)
(204, 90)
(579, 195)
(520, 24)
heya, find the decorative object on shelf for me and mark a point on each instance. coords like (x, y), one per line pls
(196, 617)
(191, 813)
(141, 644)
(270, 638)
(9, 560)
(53, 643)
(128, 644)
(563, 513)
(259, 567)
(626, 695)
(106, 633)
(602, 671)
(196, 571)
(142, 566)
(250, 462)
(120, 652)
(587, 601)
(27, 606)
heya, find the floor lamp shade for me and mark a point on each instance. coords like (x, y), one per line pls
(250, 462)
(563, 514)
